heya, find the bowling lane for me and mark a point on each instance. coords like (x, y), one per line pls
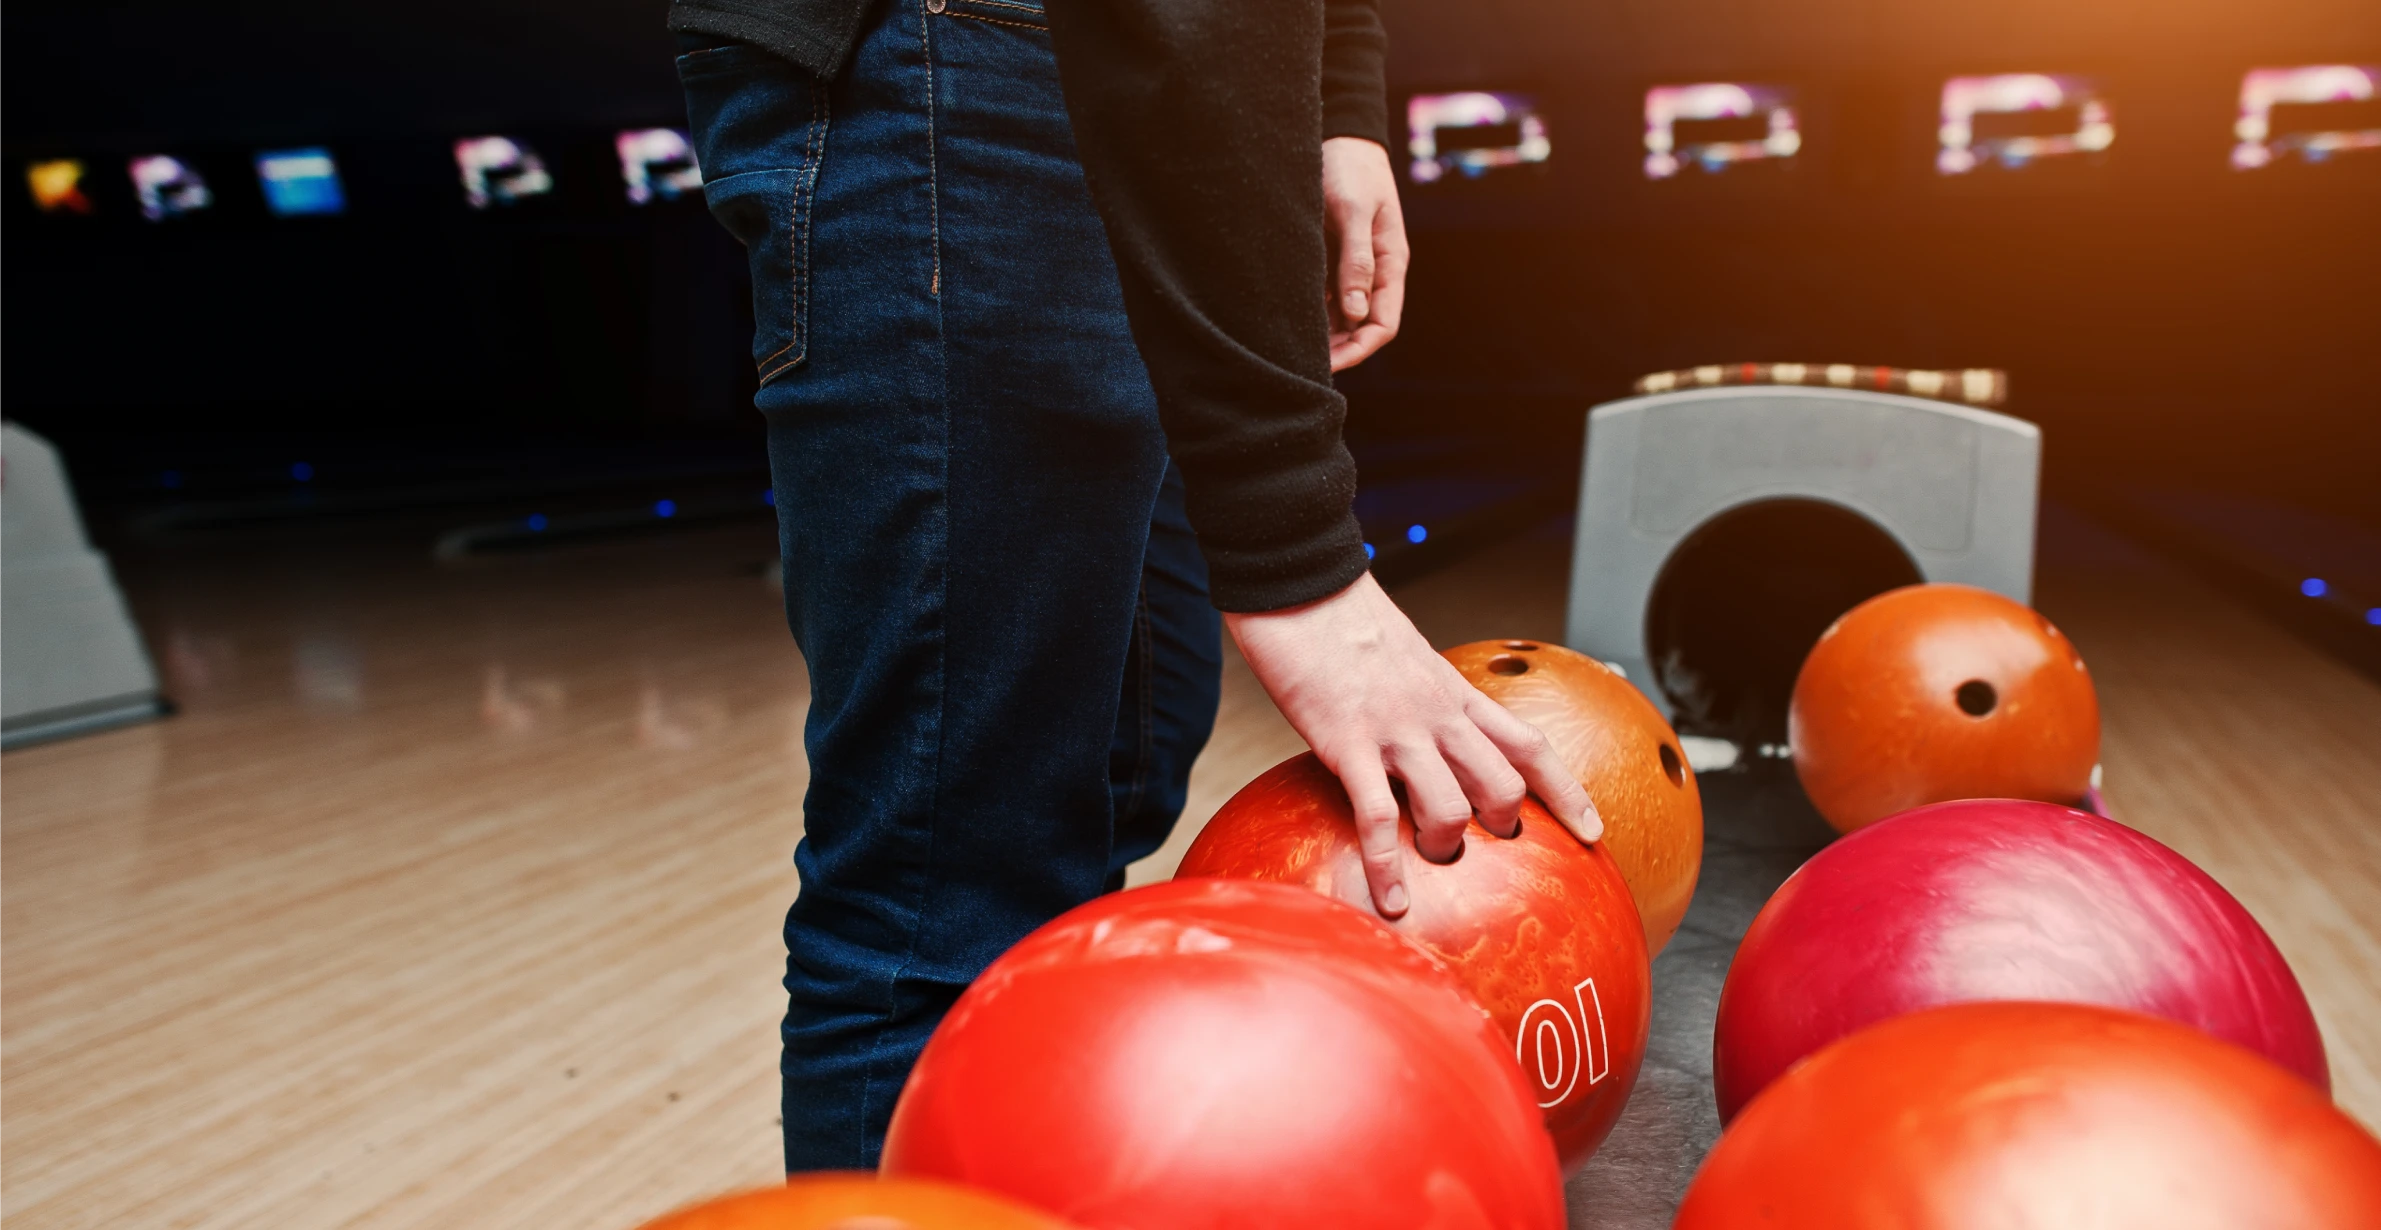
(452, 897)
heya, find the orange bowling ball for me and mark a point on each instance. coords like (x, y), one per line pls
(859, 1202)
(1999, 1115)
(1539, 928)
(1930, 693)
(1619, 747)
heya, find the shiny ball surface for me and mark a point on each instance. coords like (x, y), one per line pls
(1539, 928)
(1621, 750)
(2016, 1116)
(1935, 692)
(858, 1202)
(1223, 1053)
(1999, 900)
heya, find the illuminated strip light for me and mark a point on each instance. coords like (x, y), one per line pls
(2261, 89)
(1667, 105)
(1428, 116)
(1965, 98)
(1975, 386)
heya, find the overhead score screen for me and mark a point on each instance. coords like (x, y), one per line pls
(500, 171)
(2311, 112)
(57, 186)
(2011, 120)
(1471, 134)
(657, 164)
(1713, 125)
(167, 187)
(300, 182)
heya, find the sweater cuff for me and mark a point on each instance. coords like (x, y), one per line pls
(1289, 574)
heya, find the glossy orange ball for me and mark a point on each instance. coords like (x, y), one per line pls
(859, 1202)
(1539, 928)
(1930, 693)
(1618, 746)
(1991, 1116)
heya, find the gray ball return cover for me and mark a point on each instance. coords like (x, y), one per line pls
(1953, 485)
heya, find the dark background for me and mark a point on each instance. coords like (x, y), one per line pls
(2169, 321)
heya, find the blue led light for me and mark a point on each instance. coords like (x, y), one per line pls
(769, 498)
(171, 480)
(1368, 550)
(2313, 587)
(537, 522)
(1415, 533)
(2373, 616)
(665, 508)
(302, 471)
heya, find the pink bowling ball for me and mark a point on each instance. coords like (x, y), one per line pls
(1999, 899)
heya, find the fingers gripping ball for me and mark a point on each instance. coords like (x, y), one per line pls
(1620, 749)
(1222, 1053)
(1992, 1116)
(1539, 928)
(859, 1202)
(1999, 900)
(1935, 692)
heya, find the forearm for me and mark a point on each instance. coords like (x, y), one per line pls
(1199, 124)
(1355, 49)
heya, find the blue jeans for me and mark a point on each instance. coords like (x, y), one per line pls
(1013, 660)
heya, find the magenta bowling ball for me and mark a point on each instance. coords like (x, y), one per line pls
(1997, 899)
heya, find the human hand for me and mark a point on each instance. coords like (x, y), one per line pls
(1368, 252)
(1375, 702)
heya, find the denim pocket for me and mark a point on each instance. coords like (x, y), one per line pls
(760, 131)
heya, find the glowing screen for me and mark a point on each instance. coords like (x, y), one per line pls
(2015, 118)
(2313, 112)
(167, 188)
(500, 171)
(298, 182)
(1716, 124)
(657, 164)
(57, 186)
(1472, 134)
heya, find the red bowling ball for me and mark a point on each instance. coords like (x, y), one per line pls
(1539, 927)
(1996, 899)
(1210, 1053)
(2028, 1116)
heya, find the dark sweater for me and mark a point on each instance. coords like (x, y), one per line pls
(1200, 125)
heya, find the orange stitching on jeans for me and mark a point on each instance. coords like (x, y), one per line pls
(994, 21)
(933, 171)
(798, 258)
(1034, 9)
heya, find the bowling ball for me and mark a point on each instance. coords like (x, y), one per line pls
(1996, 899)
(1220, 1053)
(1539, 927)
(1936, 692)
(1618, 746)
(2016, 1116)
(858, 1202)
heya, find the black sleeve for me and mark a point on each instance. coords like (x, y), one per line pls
(1355, 95)
(1200, 124)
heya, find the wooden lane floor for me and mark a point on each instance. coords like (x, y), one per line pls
(452, 897)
